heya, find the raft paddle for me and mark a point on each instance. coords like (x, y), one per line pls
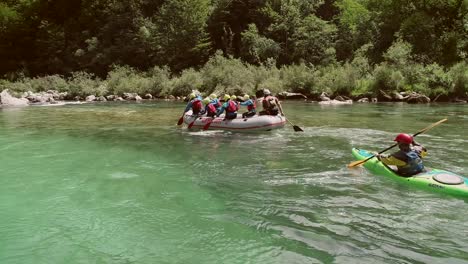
(193, 122)
(355, 163)
(207, 125)
(181, 120)
(296, 128)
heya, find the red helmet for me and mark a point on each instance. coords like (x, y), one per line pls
(404, 138)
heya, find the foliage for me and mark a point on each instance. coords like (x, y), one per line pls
(459, 74)
(222, 74)
(299, 78)
(172, 46)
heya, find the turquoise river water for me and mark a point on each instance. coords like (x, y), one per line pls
(122, 183)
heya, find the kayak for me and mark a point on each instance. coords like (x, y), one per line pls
(441, 181)
(254, 123)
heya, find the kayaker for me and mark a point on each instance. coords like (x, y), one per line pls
(408, 159)
(251, 106)
(210, 107)
(230, 106)
(195, 104)
(271, 105)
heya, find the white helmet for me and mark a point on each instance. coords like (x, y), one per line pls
(266, 92)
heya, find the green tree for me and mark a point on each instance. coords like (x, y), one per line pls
(257, 49)
(182, 40)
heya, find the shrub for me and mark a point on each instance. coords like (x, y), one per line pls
(226, 74)
(83, 84)
(184, 84)
(161, 80)
(339, 79)
(387, 78)
(52, 82)
(459, 74)
(299, 78)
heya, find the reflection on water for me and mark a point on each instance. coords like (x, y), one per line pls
(121, 183)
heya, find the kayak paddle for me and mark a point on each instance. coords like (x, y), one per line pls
(355, 163)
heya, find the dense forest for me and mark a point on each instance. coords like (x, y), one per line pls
(347, 47)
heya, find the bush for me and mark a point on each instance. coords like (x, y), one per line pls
(387, 78)
(161, 80)
(459, 74)
(19, 86)
(222, 74)
(52, 82)
(299, 78)
(338, 79)
(124, 79)
(84, 84)
(184, 84)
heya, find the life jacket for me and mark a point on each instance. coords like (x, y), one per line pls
(267, 103)
(413, 165)
(211, 108)
(232, 107)
(197, 105)
(216, 102)
(252, 106)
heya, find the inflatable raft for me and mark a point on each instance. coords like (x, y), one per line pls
(432, 179)
(254, 123)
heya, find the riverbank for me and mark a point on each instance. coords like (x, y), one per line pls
(53, 97)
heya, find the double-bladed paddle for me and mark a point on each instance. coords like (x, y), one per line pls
(355, 163)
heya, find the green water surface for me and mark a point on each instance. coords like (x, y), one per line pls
(122, 183)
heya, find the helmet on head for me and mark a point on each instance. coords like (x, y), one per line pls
(233, 97)
(192, 95)
(266, 92)
(404, 138)
(226, 97)
(246, 97)
(206, 100)
(213, 96)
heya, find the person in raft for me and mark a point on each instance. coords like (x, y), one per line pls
(251, 106)
(210, 107)
(408, 159)
(195, 104)
(215, 100)
(271, 105)
(230, 106)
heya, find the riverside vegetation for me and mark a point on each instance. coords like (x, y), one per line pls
(351, 48)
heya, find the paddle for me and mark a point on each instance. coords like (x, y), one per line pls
(355, 163)
(181, 120)
(207, 125)
(296, 128)
(193, 122)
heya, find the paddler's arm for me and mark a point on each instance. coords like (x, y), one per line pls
(189, 105)
(390, 160)
(279, 106)
(221, 109)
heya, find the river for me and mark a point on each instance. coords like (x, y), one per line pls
(122, 183)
